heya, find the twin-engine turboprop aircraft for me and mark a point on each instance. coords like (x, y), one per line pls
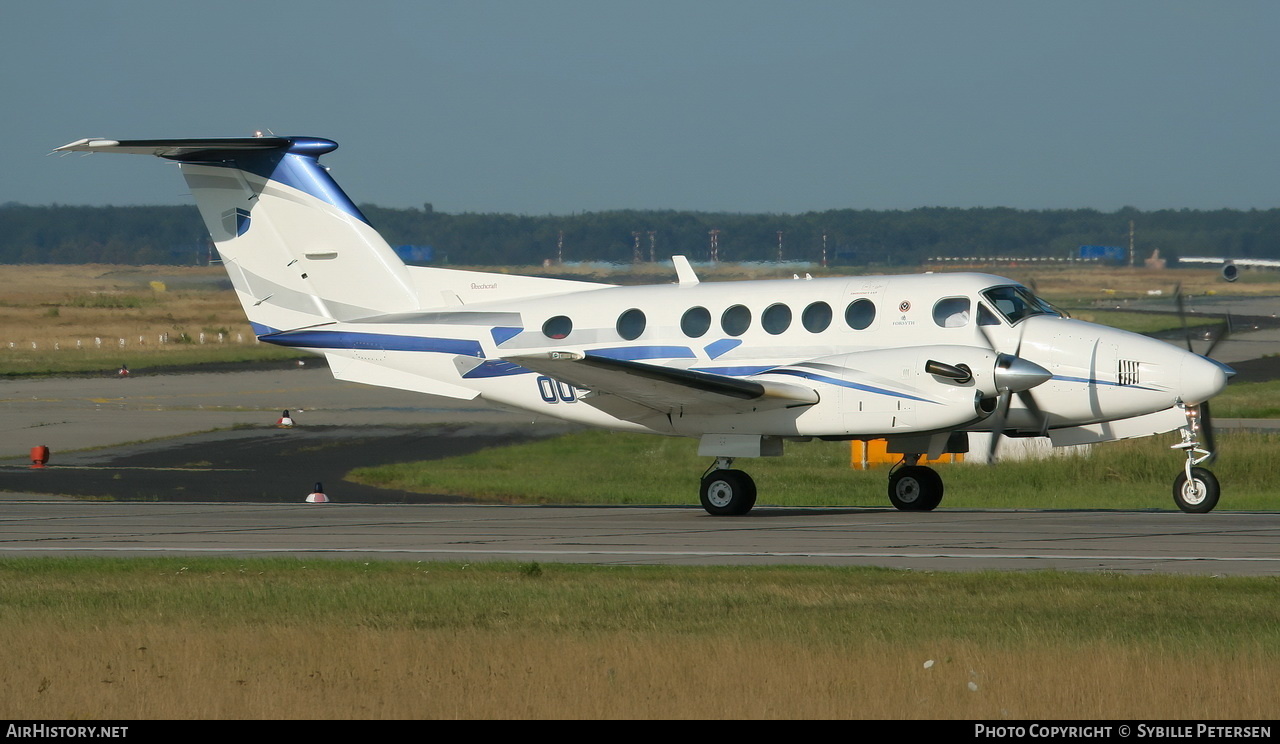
(919, 360)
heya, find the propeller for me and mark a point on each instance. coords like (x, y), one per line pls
(1014, 376)
(1216, 337)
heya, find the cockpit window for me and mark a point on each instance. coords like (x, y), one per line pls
(1016, 303)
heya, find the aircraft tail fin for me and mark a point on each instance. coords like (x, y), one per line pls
(298, 250)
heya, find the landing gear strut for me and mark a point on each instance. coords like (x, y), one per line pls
(1195, 490)
(914, 487)
(725, 492)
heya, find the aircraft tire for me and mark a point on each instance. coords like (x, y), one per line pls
(915, 488)
(727, 493)
(1198, 495)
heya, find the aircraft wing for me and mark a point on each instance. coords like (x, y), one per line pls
(635, 390)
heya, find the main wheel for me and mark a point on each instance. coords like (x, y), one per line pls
(1198, 495)
(915, 488)
(728, 493)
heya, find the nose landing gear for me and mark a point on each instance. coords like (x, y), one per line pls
(1195, 490)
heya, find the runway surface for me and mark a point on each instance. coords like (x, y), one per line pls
(239, 490)
(945, 540)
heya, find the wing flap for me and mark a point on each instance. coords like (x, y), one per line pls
(665, 390)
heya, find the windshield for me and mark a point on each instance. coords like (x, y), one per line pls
(1016, 303)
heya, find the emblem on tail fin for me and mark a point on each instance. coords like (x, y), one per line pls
(236, 221)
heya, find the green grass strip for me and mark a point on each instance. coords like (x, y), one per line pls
(613, 468)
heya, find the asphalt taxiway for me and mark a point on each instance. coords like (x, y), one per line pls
(212, 476)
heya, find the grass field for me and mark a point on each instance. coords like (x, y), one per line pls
(292, 639)
(612, 468)
(60, 319)
(1248, 400)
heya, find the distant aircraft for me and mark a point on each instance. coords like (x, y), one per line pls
(1231, 266)
(918, 360)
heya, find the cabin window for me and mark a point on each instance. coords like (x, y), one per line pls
(696, 322)
(860, 314)
(986, 317)
(631, 324)
(776, 319)
(816, 317)
(557, 327)
(736, 320)
(951, 312)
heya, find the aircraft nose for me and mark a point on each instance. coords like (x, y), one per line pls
(1202, 378)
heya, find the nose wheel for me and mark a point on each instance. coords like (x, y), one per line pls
(1196, 492)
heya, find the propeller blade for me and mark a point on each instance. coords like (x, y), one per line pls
(1224, 330)
(1182, 314)
(1206, 432)
(1029, 401)
(997, 428)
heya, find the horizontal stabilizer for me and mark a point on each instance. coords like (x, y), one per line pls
(370, 373)
(177, 149)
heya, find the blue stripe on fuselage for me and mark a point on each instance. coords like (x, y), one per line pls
(382, 341)
(848, 384)
(1095, 381)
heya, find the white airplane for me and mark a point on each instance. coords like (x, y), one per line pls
(918, 360)
(1231, 266)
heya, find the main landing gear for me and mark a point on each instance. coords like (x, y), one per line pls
(730, 493)
(1195, 490)
(725, 492)
(914, 487)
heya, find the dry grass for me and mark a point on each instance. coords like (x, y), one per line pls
(46, 303)
(64, 318)
(177, 671)
(279, 639)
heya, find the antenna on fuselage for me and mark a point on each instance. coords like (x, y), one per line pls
(684, 272)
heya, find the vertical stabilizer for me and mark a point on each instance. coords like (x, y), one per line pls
(298, 251)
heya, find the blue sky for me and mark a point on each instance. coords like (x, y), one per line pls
(565, 106)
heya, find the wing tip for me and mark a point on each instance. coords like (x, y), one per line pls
(88, 144)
